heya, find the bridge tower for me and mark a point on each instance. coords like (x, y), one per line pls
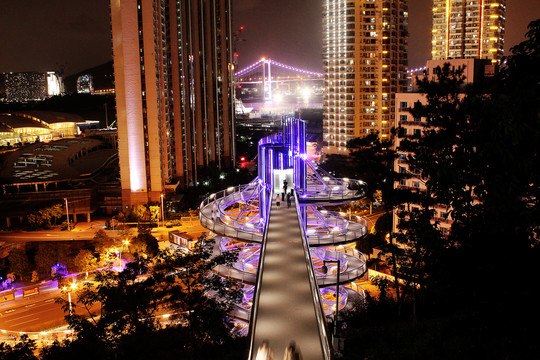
(267, 83)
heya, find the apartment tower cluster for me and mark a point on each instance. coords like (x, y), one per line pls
(174, 92)
(469, 35)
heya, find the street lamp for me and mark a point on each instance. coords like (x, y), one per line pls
(69, 289)
(67, 214)
(126, 244)
(324, 270)
(162, 212)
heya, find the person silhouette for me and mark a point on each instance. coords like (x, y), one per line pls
(292, 352)
(264, 352)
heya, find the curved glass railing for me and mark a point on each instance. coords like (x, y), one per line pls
(332, 190)
(213, 217)
(355, 265)
(343, 228)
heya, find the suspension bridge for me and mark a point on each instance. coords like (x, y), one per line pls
(270, 80)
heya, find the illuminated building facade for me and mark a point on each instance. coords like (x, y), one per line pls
(30, 86)
(174, 95)
(85, 84)
(468, 29)
(365, 64)
(31, 126)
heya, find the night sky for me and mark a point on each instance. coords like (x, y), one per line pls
(45, 35)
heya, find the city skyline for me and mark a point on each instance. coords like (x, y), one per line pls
(76, 35)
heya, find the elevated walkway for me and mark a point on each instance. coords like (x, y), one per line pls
(287, 304)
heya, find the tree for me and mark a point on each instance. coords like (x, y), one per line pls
(23, 350)
(146, 242)
(140, 212)
(46, 257)
(43, 218)
(102, 241)
(85, 261)
(65, 254)
(188, 291)
(19, 263)
(374, 158)
(376, 239)
(120, 309)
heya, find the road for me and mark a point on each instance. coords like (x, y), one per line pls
(87, 233)
(36, 313)
(372, 219)
(25, 236)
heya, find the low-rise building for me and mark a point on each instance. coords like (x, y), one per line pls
(31, 126)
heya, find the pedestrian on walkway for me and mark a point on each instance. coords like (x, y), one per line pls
(288, 200)
(277, 201)
(292, 352)
(264, 352)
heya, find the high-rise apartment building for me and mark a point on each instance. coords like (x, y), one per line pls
(468, 29)
(174, 92)
(365, 64)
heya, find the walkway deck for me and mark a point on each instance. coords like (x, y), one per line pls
(286, 307)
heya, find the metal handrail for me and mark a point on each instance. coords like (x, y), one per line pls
(236, 274)
(319, 312)
(257, 290)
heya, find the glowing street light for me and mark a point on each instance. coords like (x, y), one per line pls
(306, 93)
(67, 214)
(162, 212)
(125, 243)
(69, 289)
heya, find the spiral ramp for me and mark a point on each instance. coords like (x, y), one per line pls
(281, 251)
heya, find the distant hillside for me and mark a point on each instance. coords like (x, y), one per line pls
(103, 78)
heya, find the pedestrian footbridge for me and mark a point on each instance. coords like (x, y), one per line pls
(282, 250)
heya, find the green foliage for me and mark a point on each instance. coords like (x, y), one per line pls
(46, 257)
(102, 241)
(44, 218)
(211, 180)
(119, 320)
(23, 350)
(51, 253)
(140, 213)
(85, 261)
(145, 242)
(19, 264)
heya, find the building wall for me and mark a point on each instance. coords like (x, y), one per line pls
(468, 29)
(173, 72)
(365, 63)
(476, 71)
(413, 127)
